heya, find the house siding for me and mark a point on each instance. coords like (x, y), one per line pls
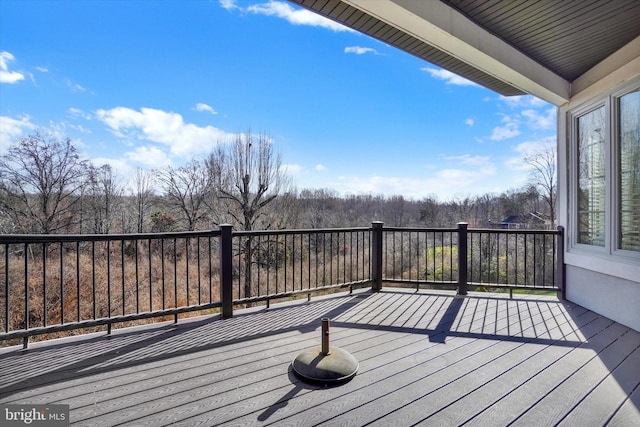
(612, 297)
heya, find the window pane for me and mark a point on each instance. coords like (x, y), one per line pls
(591, 178)
(629, 166)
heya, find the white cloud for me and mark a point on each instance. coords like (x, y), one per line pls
(75, 87)
(537, 102)
(42, 69)
(528, 148)
(301, 172)
(167, 128)
(469, 122)
(202, 107)
(510, 129)
(467, 173)
(228, 4)
(122, 170)
(514, 101)
(12, 129)
(544, 120)
(360, 50)
(467, 159)
(460, 178)
(523, 101)
(7, 76)
(78, 128)
(507, 131)
(291, 169)
(151, 157)
(290, 14)
(449, 77)
(444, 183)
(77, 113)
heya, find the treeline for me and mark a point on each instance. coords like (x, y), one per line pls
(47, 187)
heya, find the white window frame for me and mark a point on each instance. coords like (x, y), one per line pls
(615, 168)
(610, 251)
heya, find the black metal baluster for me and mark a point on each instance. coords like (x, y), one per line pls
(109, 279)
(137, 266)
(44, 284)
(123, 280)
(186, 259)
(162, 274)
(150, 279)
(62, 298)
(93, 275)
(6, 288)
(26, 286)
(175, 273)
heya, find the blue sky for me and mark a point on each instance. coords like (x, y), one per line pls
(145, 84)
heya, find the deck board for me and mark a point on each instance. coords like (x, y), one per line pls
(609, 395)
(425, 357)
(629, 413)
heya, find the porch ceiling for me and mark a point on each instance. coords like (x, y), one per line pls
(568, 37)
(510, 46)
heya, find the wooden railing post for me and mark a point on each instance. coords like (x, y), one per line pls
(226, 269)
(560, 270)
(462, 258)
(376, 255)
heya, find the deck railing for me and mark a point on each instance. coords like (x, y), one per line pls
(487, 258)
(54, 283)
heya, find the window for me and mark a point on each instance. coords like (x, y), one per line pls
(591, 178)
(606, 188)
(629, 166)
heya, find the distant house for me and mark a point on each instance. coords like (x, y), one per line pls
(531, 220)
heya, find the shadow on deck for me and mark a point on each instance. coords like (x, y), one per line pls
(425, 358)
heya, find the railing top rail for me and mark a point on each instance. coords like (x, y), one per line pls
(53, 238)
(420, 229)
(513, 231)
(300, 231)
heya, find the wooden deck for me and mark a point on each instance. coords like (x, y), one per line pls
(426, 358)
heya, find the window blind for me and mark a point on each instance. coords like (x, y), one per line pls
(629, 171)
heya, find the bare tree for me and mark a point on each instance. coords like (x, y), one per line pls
(430, 211)
(543, 177)
(105, 197)
(394, 212)
(320, 207)
(143, 193)
(186, 189)
(248, 176)
(460, 208)
(41, 178)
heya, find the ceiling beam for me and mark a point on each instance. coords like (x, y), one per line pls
(438, 25)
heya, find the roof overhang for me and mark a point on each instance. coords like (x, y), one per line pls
(549, 49)
(446, 29)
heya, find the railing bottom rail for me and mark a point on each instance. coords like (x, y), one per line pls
(22, 333)
(319, 290)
